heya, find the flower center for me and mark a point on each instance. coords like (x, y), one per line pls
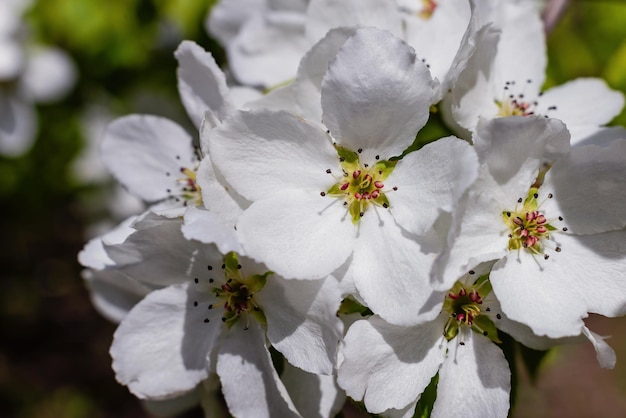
(186, 189)
(428, 8)
(464, 305)
(528, 225)
(514, 101)
(360, 185)
(236, 293)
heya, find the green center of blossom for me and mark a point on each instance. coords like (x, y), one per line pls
(236, 293)
(360, 185)
(528, 225)
(464, 305)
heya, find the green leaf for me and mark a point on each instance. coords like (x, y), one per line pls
(424, 406)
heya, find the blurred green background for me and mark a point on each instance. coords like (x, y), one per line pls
(54, 353)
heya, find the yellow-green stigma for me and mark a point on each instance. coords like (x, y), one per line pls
(529, 227)
(360, 185)
(464, 305)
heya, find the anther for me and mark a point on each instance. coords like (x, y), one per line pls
(322, 194)
(471, 272)
(557, 249)
(195, 303)
(206, 320)
(195, 280)
(328, 171)
(520, 200)
(395, 188)
(564, 229)
(377, 157)
(360, 150)
(498, 316)
(535, 195)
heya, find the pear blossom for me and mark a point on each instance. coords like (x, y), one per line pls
(505, 75)
(155, 158)
(457, 346)
(458, 350)
(326, 197)
(213, 313)
(556, 230)
(265, 48)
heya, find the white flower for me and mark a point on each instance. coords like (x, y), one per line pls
(558, 236)
(458, 346)
(213, 313)
(504, 78)
(264, 48)
(323, 199)
(155, 158)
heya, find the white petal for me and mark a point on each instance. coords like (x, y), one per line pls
(437, 39)
(506, 144)
(474, 380)
(207, 227)
(478, 234)
(112, 293)
(584, 101)
(161, 348)
(588, 187)
(175, 406)
(521, 53)
(11, 56)
(261, 153)
(49, 75)
(396, 366)
(313, 68)
(93, 255)
(593, 266)
(430, 180)
(390, 271)
(298, 235)
(159, 255)
(376, 95)
(227, 17)
(268, 48)
(217, 195)
(474, 93)
(604, 352)
(313, 395)
(201, 83)
(302, 321)
(595, 135)
(250, 383)
(536, 292)
(141, 150)
(324, 15)
(18, 125)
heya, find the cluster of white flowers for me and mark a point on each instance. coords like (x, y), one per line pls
(300, 254)
(29, 74)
